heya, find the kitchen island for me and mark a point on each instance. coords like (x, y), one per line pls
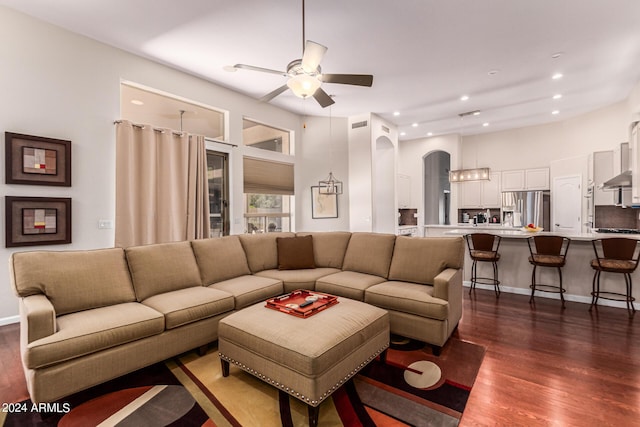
(515, 270)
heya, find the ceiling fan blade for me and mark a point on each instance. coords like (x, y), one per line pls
(349, 79)
(313, 54)
(268, 97)
(323, 98)
(262, 70)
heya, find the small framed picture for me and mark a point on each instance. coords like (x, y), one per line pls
(323, 205)
(34, 221)
(36, 160)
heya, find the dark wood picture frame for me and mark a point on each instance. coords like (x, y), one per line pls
(32, 221)
(323, 205)
(54, 167)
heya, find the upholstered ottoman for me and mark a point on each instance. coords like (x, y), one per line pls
(307, 358)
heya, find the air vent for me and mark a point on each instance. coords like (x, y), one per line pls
(385, 129)
(361, 124)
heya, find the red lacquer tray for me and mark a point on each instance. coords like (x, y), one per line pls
(290, 303)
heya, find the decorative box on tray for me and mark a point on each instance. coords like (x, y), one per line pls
(302, 303)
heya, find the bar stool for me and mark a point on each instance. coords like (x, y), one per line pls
(615, 255)
(483, 247)
(548, 251)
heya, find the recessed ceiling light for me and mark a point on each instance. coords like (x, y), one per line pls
(555, 112)
(557, 55)
(137, 102)
(464, 98)
(430, 134)
(470, 113)
(403, 133)
(556, 76)
(396, 113)
(492, 72)
(485, 124)
(415, 125)
(557, 96)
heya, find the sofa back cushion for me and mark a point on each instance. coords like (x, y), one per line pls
(329, 247)
(421, 259)
(160, 268)
(73, 280)
(295, 253)
(369, 253)
(262, 250)
(220, 259)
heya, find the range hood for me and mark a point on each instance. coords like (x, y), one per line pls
(623, 180)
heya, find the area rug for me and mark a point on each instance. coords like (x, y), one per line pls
(412, 388)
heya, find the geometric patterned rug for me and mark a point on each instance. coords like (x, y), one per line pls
(413, 388)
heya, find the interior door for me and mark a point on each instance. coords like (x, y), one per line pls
(567, 204)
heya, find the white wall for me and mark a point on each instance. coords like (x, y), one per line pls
(360, 175)
(324, 149)
(61, 85)
(385, 213)
(410, 155)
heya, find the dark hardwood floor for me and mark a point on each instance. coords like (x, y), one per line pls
(543, 365)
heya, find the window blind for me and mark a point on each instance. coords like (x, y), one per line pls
(267, 177)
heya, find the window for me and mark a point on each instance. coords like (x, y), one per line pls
(218, 178)
(268, 187)
(258, 135)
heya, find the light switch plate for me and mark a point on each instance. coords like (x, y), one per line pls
(105, 224)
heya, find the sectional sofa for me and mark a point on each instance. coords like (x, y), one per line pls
(90, 316)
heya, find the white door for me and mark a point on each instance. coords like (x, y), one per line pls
(566, 200)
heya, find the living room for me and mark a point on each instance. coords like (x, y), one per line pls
(63, 85)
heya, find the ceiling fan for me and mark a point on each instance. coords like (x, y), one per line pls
(305, 75)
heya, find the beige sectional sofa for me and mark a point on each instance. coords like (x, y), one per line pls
(90, 316)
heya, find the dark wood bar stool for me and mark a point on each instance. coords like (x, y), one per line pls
(483, 247)
(548, 251)
(615, 255)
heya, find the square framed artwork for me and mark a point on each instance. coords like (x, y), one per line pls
(323, 205)
(34, 221)
(36, 160)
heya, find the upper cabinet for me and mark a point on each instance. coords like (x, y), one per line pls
(525, 179)
(481, 194)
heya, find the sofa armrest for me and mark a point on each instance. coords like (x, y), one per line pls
(448, 284)
(37, 318)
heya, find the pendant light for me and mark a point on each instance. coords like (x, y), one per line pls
(330, 185)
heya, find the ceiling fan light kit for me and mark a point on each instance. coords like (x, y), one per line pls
(303, 85)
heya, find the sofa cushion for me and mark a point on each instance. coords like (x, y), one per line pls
(329, 247)
(220, 259)
(295, 253)
(90, 331)
(160, 268)
(190, 305)
(369, 253)
(73, 280)
(410, 298)
(248, 290)
(261, 250)
(298, 279)
(350, 284)
(421, 259)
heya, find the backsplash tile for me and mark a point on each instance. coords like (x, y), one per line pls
(616, 217)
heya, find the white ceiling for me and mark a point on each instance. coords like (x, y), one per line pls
(424, 54)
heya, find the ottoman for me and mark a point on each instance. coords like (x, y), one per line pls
(308, 358)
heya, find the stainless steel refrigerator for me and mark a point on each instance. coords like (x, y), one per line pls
(520, 208)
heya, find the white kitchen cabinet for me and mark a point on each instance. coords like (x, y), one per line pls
(513, 180)
(404, 191)
(601, 168)
(481, 194)
(536, 179)
(525, 179)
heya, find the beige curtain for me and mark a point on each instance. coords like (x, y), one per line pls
(161, 186)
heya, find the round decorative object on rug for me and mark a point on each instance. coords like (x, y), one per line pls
(422, 374)
(401, 343)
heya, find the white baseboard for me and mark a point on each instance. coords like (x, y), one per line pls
(567, 297)
(9, 320)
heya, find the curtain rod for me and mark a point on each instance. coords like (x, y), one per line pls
(139, 126)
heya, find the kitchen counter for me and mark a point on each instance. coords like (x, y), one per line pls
(515, 270)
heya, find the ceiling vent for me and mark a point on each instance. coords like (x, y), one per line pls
(362, 124)
(385, 129)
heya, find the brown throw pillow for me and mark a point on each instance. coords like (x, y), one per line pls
(295, 253)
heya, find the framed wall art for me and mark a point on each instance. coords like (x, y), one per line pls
(34, 221)
(36, 160)
(323, 205)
